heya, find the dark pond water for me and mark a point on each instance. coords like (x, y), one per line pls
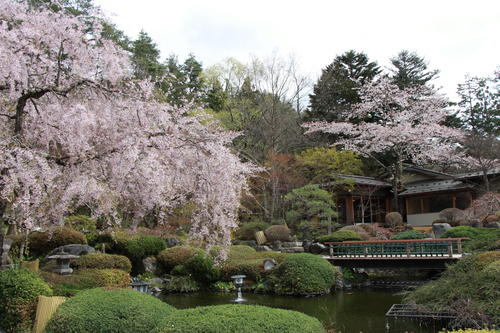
(348, 312)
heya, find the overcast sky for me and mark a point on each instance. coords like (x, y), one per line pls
(455, 36)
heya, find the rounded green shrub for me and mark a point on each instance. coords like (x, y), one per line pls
(304, 274)
(462, 232)
(279, 232)
(109, 311)
(176, 255)
(41, 243)
(409, 234)
(93, 278)
(142, 246)
(238, 318)
(247, 231)
(252, 268)
(81, 223)
(19, 289)
(240, 252)
(103, 260)
(340, 236)
(201, 268)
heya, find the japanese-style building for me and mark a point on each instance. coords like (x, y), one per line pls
(423, 194)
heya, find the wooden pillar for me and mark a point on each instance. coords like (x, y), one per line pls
(349, 210)
(454, 200)
(388, 205)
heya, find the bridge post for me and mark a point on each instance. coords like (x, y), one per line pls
(407, 245)
(450, 249)
(330, 249)
(459, 246)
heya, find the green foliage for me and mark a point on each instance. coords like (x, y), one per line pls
(238, 318)
(321, 164)
(108, 311)
(469, 289)
(410, 70)
(145, 56)
(81, 223)
(223, 286)
(19, 289)
(409, 234)
(309, 203)
(240, 252)
(181, 284)
(174, 256)
(41, 243)
(481, 239)
(93, 278)
(340, 236)
(335, 92)
(278, 232)
(143, 246)
(102, 260)
(247, 231)
(200, 267)
(304, 275)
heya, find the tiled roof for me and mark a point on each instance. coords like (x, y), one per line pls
(433, 186)
(365, 180)
(474, 174)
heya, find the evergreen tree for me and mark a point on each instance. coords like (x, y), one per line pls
(411, 70)
(145, 57)
(336, 90)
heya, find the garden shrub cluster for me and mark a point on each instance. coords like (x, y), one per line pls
(469, 289)
(247, 230)
(83, 224)
(41, 243)
(340, 236)
(238, 318)
(279, 232)
(481, 239)
(102, 260)
(142, 246)
(19, 289)
(409, 234)
(93, 278)
(304, 274)
(177, 255)
(362, 232)
(200, 268)
(109, 311)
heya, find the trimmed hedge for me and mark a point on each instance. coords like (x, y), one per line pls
(19, 289)
(340, 236)
(304, 274)
(109, 311)
(41, 243)
(141, 247)
(200, 267)
(238, 318)
(93, 278)
(103, 261)
(481, 239)
(409, 234)
(247, 230)
(176, 255)
(278, 232)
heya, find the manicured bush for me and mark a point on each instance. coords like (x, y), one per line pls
(252, 268)
(19, 289)
(200, 267)
(102, 260)
(142, 246)
(240, 252)
(340, 236)
(109, 311)
(176, 255)
(247, 231)
(238, 318)
(453, 216)
(393, 219)
(481, 239)
(41, 243)
(93, 278)
(468, 289)
(181, 284)
(362, 232)
(409, 234)
(81, 223)
(304, 274)
(278, 232)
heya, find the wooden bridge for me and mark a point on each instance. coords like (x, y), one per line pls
(411, 253)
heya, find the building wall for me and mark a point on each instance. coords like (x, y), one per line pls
(422, 219)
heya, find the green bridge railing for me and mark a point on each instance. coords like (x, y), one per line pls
(411, 248)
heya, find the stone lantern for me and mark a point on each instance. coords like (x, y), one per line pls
(238, 283)
(62, 260)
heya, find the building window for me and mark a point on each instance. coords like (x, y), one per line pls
(463, 200)
(436, 203)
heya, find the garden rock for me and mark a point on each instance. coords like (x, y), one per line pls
(439, 228)
(317, 248)
(150, 264)
(269, 264)
(495, 225)
(298, 249)
(306, 245)
(276, 245)
(263, 248)
(172, 241)
(73, 249)
(291, 244)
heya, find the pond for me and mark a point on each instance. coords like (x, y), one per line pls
(347, 311)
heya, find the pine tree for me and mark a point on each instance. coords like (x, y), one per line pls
(411, 70)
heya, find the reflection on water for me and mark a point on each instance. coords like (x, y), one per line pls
(348, 312)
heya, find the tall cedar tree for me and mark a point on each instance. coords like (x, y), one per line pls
(411, 70)
(145, 57)
(336, 90)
